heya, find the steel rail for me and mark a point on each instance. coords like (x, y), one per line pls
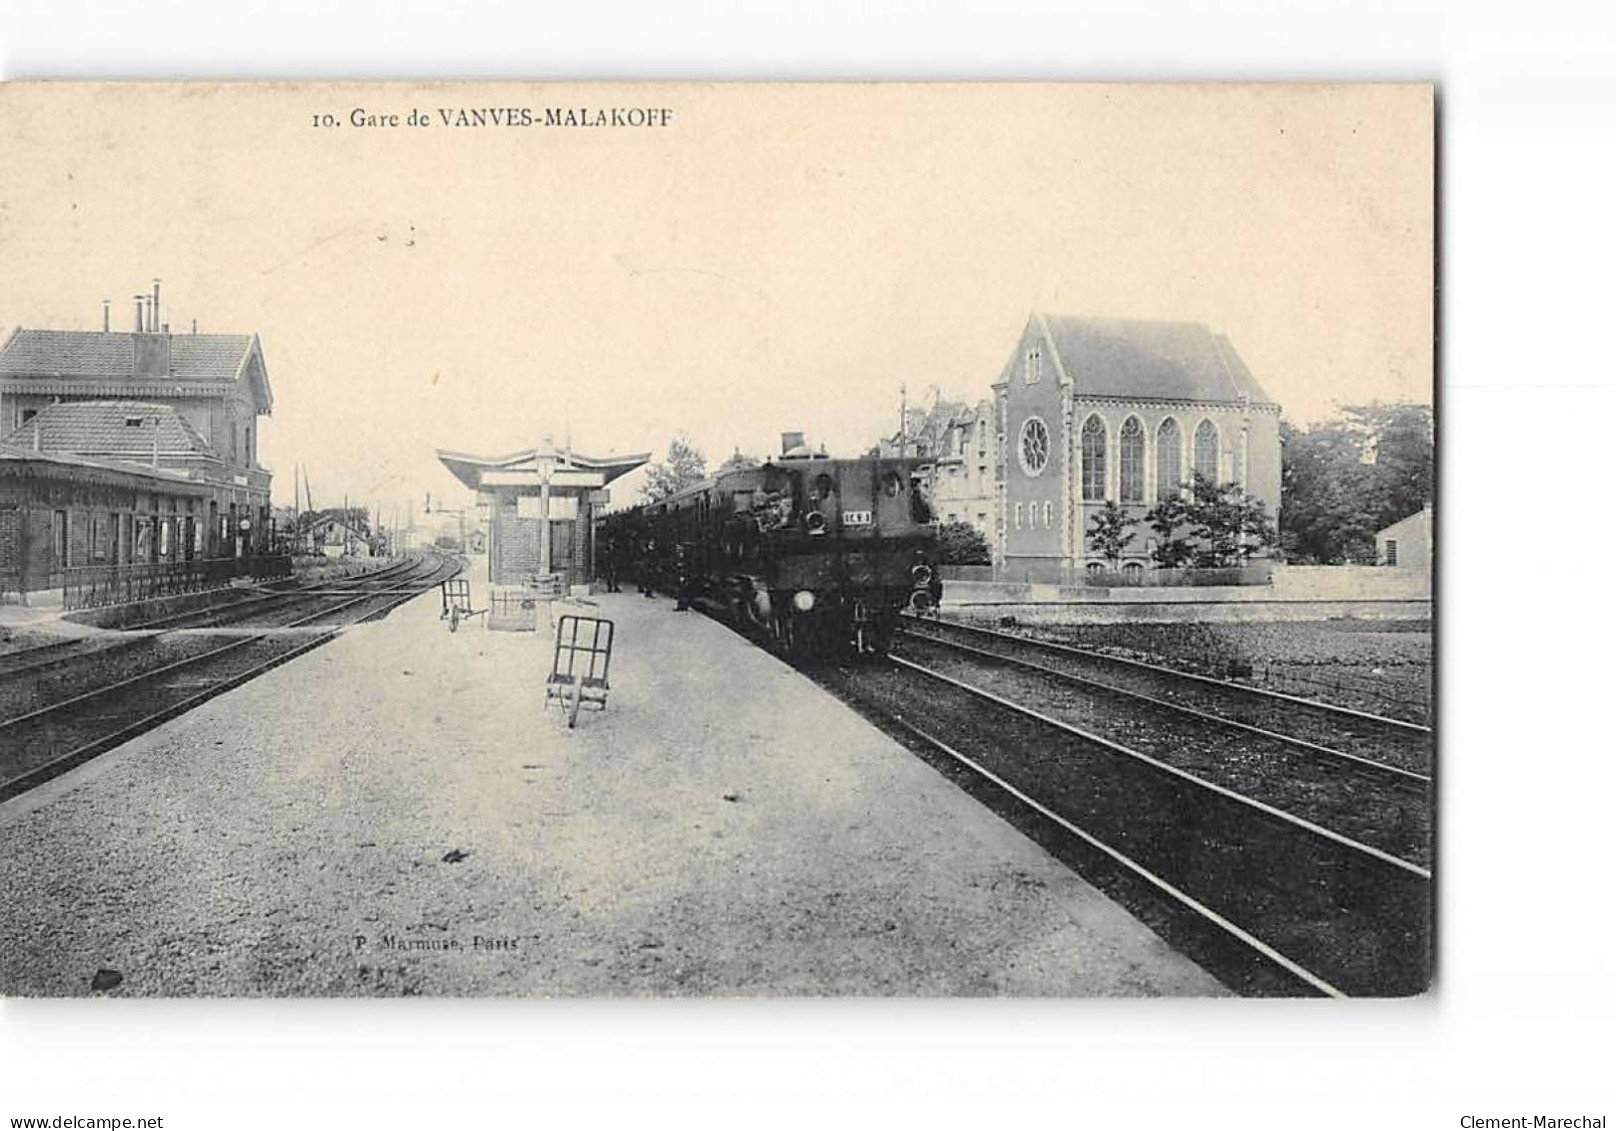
(1207, 716)
(1164, 767)
(175, 665)
(132, 635)
(37, 775)
(1266, 950)
(1222, 684)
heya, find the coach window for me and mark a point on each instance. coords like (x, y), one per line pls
(1093, 459)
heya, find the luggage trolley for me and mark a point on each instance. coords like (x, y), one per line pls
(583, 654)
(457, 602)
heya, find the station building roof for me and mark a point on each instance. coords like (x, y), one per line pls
(119, 430)
(56, 360)
(1143, 360)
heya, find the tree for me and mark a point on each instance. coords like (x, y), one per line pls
(1230, 524)
(1109, 534)
(1171, 521)
(1346, 478)
(683, 466)
(1219, 525)
(960, 543)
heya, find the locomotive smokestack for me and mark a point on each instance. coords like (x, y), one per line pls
(789, 440)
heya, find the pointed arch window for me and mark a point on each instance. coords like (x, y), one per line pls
(1131, 460)
(1206, 451)
(1169, 456)
(1034, 363)
(1093, 459)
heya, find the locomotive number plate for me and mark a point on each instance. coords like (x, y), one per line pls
(855, 518)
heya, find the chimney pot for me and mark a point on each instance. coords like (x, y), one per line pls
(139, 306)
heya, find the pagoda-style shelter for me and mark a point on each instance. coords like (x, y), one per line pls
(541, 505)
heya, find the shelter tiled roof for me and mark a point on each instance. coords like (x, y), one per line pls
(1176, 361)
(120, 430)
(81, 353)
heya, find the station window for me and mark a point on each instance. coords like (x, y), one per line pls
(1391, 551)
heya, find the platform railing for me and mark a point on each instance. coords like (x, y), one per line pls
(95, 587)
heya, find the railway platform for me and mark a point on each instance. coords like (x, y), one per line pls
(396, 813)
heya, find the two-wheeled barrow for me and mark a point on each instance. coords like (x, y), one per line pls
(583, 657)
(457, 602)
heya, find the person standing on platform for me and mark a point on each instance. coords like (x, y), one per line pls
(647, 568)
(608, 563)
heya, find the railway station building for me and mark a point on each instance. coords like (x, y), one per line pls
(1097, 410)
(60, 511)
(541, 506)
(186, 403)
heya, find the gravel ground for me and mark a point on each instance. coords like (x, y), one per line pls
(1378, 666)
(1324, 725)
(394, 814)
(1388, 813)
(1360, 924)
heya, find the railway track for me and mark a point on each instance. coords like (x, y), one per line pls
(1270, 900)
(181, 670)
(1382, 806)
(1393, 742)
(21, 665)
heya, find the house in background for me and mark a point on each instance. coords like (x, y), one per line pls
(211, 388)
(1406, 544)
(1091, 410)
(961, 441)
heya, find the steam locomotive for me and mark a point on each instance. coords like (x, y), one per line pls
(817, 554)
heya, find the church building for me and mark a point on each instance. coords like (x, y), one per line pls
(1097, 410)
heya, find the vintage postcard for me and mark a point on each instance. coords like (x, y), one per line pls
(602, 540)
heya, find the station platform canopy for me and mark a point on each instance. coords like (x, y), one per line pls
(540, 506)
(560, 468)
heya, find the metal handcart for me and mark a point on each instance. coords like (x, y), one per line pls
(457, 602)
(583, 656)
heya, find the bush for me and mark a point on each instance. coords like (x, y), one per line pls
(960, 543)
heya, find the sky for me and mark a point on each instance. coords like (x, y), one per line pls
(775, 258)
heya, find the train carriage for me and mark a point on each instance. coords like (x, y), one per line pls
(819, 554)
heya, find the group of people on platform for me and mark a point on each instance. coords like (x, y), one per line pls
(652, 563)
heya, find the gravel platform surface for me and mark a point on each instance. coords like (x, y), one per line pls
(395, 814)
